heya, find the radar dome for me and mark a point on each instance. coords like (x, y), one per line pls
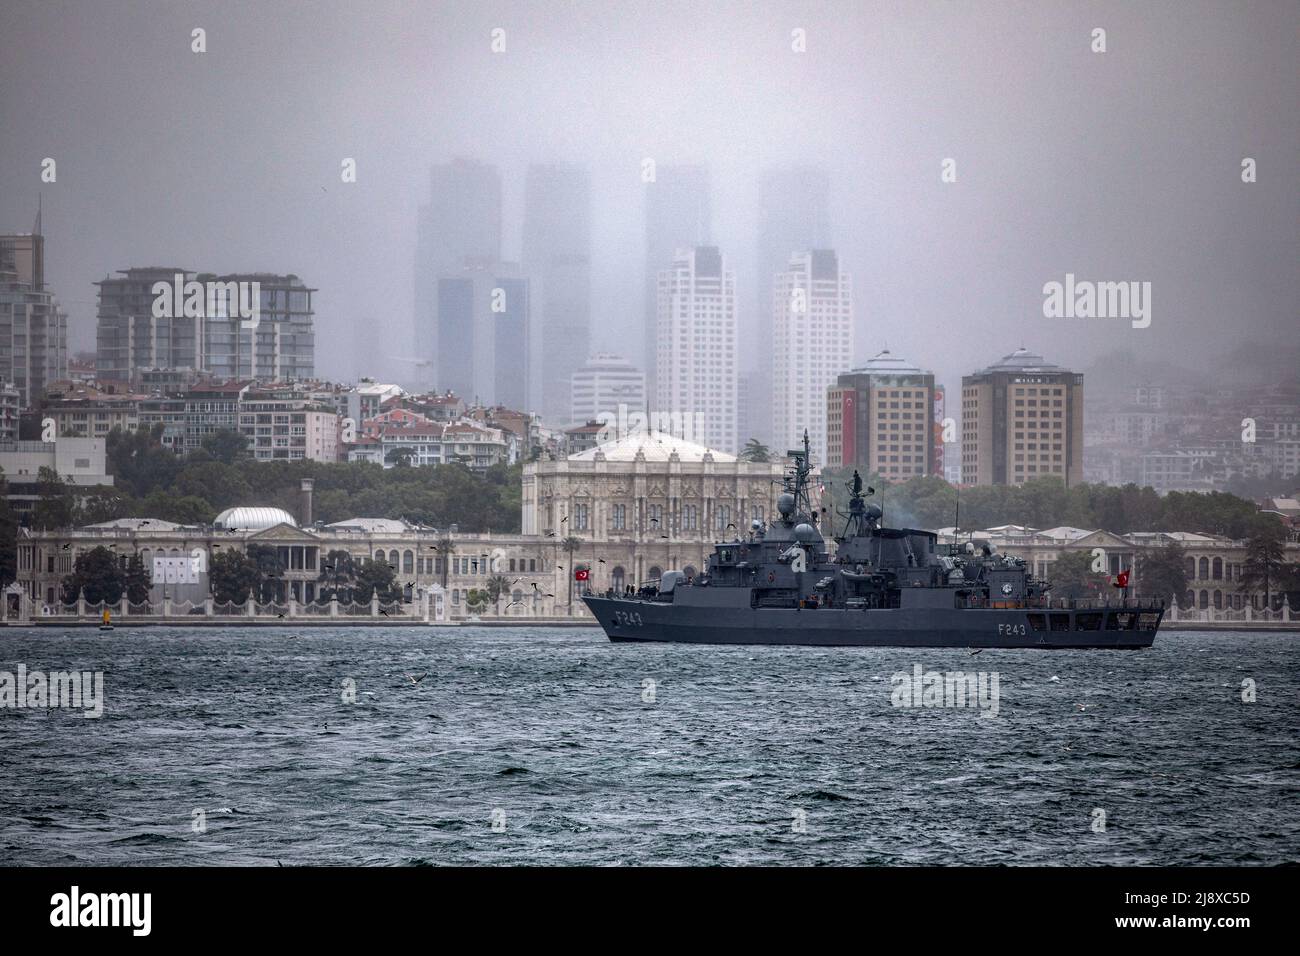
(785, 504)
(805, 532)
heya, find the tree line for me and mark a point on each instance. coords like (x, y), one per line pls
(151, 481)
(930, 502)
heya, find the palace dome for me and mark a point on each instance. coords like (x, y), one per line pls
(246, 518)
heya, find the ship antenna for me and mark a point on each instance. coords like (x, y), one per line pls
(956, 521)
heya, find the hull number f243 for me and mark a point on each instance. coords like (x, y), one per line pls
(627, 618)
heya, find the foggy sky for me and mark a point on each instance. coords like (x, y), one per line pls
(1116, 166)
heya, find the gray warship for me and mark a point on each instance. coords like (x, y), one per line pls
(882, 587)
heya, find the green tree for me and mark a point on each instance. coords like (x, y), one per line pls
(8, 536)
(98, 574)
(1265, 565)
(338, 575)
(226, 445)
(376, 576)
(446, 548)
(102, 504)
(755, 450)
(270, 570)
(570, 546)
(1162, 572)
(477, 600)
(1072, 576)
(139, 462)
(232, 576)
(497, 585)
(137, 580)
(56, 502)
(400, 457)
(182, 509)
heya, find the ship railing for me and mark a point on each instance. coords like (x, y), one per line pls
(1096, 604)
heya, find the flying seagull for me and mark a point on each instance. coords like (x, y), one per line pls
(978, 650)
(415, 680)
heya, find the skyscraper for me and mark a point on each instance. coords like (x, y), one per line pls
(557, 259)
(1021, 418)
(879, 418)
(812, 309)
(483, 322)
(33, 326)
(603, 384)
(793, 216)
(461, 221)
(677, 215)
(695, 371)
(130, 338)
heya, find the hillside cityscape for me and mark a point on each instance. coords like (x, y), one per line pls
(201, 400)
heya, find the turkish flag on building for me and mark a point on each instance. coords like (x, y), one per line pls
(581, 574)
(1121, 579)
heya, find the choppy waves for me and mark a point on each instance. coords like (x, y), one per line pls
(555, 747)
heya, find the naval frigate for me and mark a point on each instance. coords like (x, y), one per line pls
(878, 587)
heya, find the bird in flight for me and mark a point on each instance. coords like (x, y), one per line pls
(415, 680)
(383, 612)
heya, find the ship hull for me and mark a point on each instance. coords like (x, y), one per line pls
(629, 620)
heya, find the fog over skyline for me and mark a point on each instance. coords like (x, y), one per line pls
(1115, 166)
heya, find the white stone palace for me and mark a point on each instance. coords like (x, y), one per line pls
(637, 506)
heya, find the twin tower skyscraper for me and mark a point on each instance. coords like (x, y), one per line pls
(504, 333)
(513, 333)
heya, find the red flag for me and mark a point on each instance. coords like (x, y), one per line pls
(581, 574)
(1121, 579)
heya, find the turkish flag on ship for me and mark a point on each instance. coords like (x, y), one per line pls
(581, 574)
(1121, 579)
